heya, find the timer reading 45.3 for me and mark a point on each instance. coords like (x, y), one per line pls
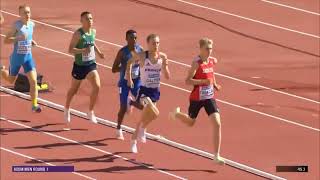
(292, 168)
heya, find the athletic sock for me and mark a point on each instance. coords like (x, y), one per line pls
(34, 102)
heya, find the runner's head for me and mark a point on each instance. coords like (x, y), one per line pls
(153, 41)
(131, 37)
(205, 47)
(86, 19)
(25, 12)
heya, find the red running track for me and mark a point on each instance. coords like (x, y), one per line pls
(249, 138)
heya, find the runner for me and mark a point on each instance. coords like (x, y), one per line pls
(151, 63)
(201, 76)
(21, 35)
(83, 47)
(120, 65)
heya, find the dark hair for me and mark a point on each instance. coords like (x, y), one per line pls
(130, 31)
(85, 13)
(152, 36)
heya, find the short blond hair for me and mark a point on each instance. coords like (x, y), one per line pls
(152, 36)
(204, 42)
(23, 6)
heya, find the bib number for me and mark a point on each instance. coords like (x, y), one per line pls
(90, 56)
(153, 80)
(135, 72)
(206, 92)
(24, 47)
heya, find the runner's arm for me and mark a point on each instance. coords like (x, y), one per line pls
(96, 48)
(165, 65)
(135, 57)
(11, 36)
(33, 42)
(73, 43)
(215, 84)
(117, 62)
(192, 71)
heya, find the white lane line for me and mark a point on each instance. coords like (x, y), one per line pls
(93, 148)
(186, 65)
(249, 19)
(157, 138)
(291, 7)
(222, 101)
(39, 160)
(252, 110)
(270, 89)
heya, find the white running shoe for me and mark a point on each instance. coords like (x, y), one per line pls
(219, 160)
(120, 134)
(67, 117)
(129, 107)
(142, 135)
(134, 148)
(172, 115)
(92, 117)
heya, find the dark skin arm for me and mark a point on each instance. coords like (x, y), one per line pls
(117, 62)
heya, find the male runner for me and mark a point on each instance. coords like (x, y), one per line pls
(83, 47)
(151, 62)
(20, 35)
(201, 76)
(120, 65)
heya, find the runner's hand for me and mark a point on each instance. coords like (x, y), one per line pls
(217, 87)
(34, 43)
(86, 50)
(215, 60)
(101, 55)
(134, 53)
(130, 83)
(207, 81)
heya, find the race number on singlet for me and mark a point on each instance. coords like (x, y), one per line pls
(135, 72)
(206, 92)
(90, 56)
(24, 47)
(153, 80)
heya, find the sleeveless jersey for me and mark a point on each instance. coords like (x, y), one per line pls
(204, 71)
(23, 47)
(86, 40)
(126, 55)
(150, 73)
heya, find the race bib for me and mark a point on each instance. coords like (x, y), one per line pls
(153, 80)
(135, 72)
(90, 56)
(24, 47)
(206, 92)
